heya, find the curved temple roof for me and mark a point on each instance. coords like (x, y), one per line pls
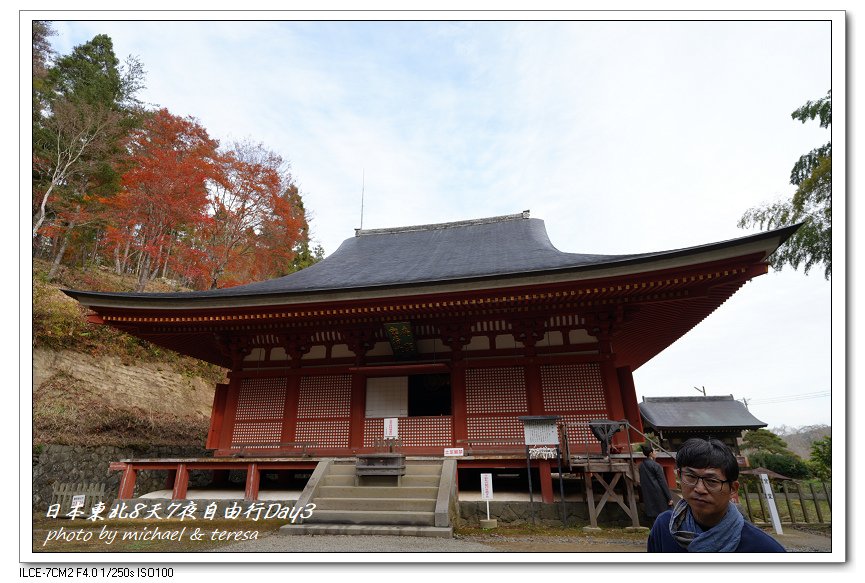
(494, 248)
(679, 413)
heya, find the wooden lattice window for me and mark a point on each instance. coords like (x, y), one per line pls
(260, 411)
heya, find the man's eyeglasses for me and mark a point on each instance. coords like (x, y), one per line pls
(711, 484)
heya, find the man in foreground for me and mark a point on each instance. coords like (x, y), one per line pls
(705, 519)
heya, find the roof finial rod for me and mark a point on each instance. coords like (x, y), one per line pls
(362, 188)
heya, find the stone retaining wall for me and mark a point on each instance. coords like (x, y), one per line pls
(77, 464)
(518, 513)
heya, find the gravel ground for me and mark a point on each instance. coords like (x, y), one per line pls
(277, 543)
(793, 540)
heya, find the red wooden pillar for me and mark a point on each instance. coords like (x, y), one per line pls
(252, 481)
(535, 402)
(358, 411)
(230, 412)
(629, 401)
(669, 467)
(458, 402)
(292, 398)
(217, 416)
(181, 481)
(613, 395)
(127, 483)
(546, 477)
(534, 396)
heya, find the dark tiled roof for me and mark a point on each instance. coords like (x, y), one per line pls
(503, 246)
(667, 413)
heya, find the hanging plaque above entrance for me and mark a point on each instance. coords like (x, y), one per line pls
(401, 339)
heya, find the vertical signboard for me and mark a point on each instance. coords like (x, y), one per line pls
(770, 498)
(391, 430)
(486, 487)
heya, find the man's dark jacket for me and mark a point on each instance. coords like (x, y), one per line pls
(753, 539)
(653, 484)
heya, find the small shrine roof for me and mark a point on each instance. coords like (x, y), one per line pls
(682, 413)
(495, 248)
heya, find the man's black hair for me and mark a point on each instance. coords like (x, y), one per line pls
(708, 453)
(647, 449)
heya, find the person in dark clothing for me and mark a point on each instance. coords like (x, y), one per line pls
(705, 520)
(653, 485)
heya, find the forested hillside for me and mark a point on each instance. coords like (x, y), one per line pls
(148, 192)
(128, 196)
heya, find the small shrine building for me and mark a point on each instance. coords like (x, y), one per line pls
(677, 419)
(455, 329)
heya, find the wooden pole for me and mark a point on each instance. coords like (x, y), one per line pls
(816, 503)
(748, 502)
(590, 499)
(802, 502)
(181, 482)
(127, 483)
(789, 506)
(762, 506)
(252, 481)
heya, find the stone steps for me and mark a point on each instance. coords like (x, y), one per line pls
(393, 492)
(347, 480)
(380, 503)
(411, 469)
(377, 517)
(377, 505)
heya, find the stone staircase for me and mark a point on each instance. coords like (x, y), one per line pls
(421, 505)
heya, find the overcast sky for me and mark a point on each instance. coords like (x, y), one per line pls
(624, 137)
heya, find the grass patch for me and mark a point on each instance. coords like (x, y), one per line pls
(613, 533)
(60, 323)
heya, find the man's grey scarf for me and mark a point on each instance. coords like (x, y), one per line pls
(722, 538)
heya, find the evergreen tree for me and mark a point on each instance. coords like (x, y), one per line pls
(86, 106)
(811, 204)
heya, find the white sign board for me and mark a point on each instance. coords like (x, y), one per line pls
(454, 452)
(391, 428)
(486, 486)
(541, 433)
(78, 501)
(770, 498)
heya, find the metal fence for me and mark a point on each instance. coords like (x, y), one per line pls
(797, 502)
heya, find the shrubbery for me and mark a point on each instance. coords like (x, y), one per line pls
(785, 464)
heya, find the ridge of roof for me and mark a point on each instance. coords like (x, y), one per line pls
(688, 399)
(437, 226)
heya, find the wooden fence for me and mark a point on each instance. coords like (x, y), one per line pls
(797, 503)
(63, 492)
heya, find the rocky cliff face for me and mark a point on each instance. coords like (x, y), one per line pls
(85, 400)
(110, 381)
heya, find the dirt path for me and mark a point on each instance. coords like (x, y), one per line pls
(560, 544)
(794, 540)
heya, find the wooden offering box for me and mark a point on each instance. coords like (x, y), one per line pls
(380, 464)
